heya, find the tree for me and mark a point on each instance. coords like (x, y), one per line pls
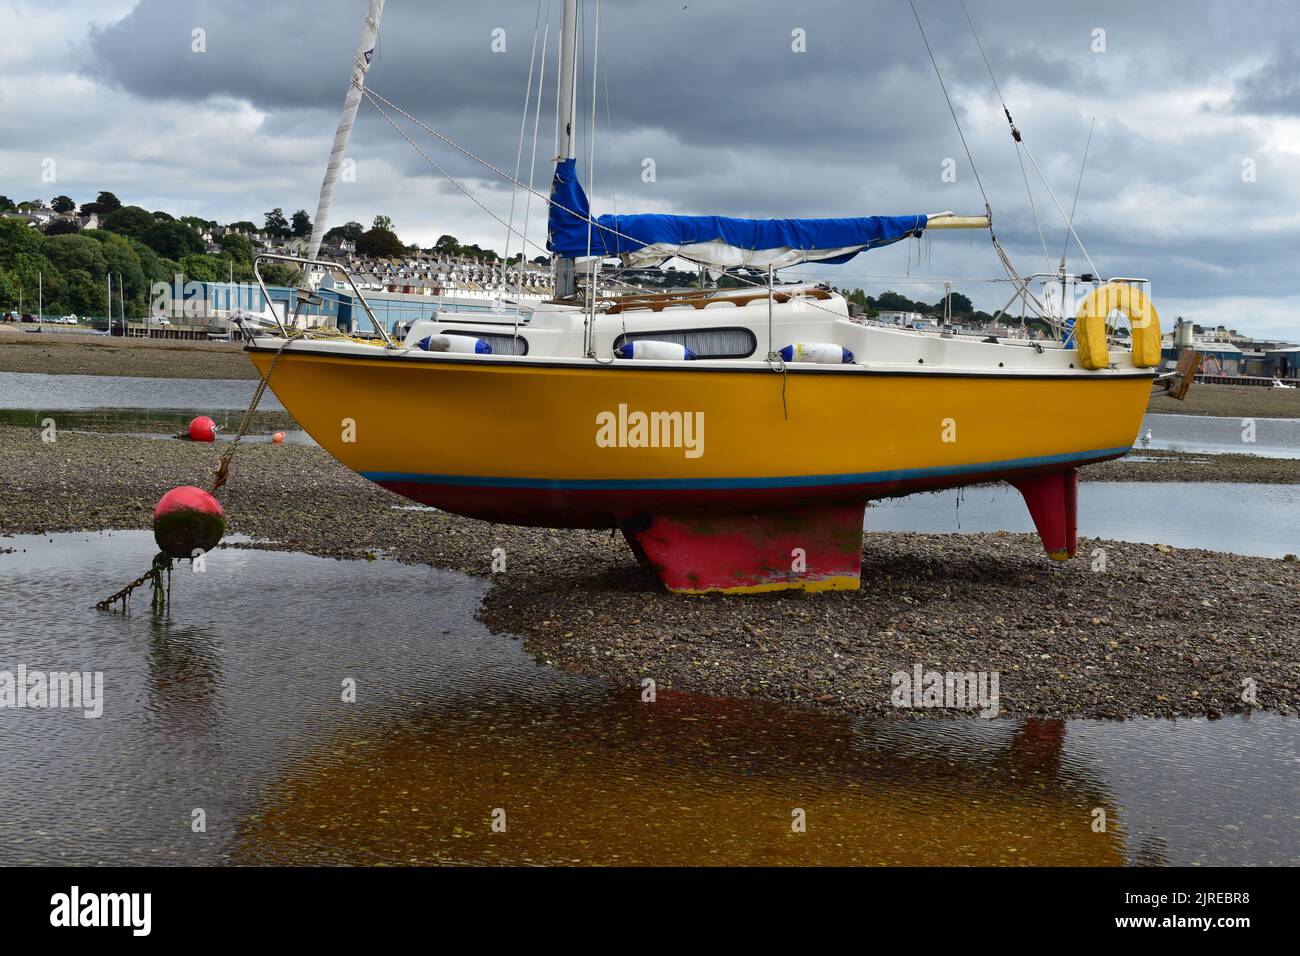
(276, 225)
(8, 290)
(236, 247)
(447, 245)
(62, 204)
(81, 293)
(130, 221)
(33, 271)
(173, 240)
(961, 305)
(243, 226)
(204, 268)
(62, 227)
(122, 260)
(351, 231)
(150, 265)
(161, 216)
(75, 252)
(382, 222)
(105, 203)
(17, 238)
(7, 204)
(892, 301)
(301, 224)
(281, 274)
(380, 242)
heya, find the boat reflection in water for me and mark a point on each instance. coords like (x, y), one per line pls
(684, 781)
(232, 704)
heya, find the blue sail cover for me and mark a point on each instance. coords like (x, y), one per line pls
(719, 241)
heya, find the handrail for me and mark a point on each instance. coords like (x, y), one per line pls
(329, 266)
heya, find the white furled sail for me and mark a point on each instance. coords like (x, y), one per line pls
(360, 66)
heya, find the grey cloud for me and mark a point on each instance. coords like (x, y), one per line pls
(739, 124)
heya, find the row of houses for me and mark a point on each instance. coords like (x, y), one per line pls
(1227, 353)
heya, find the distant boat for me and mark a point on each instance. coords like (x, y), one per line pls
(1278, 383)
(734, 436)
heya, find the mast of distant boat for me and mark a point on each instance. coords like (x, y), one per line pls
(360, 66)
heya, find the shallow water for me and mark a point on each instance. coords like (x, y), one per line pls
(1205, 434)
(233, 705)
(61, 393)
(1244, 518)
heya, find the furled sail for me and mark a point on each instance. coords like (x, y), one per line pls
(718, 241)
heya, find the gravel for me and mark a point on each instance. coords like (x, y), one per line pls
(1157, 632)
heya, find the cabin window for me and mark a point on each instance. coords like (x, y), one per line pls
(501, 344)
(705, 343)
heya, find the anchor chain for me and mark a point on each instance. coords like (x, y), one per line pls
(161, 562)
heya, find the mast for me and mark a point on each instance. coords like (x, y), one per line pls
(566, 119)
(360, 65)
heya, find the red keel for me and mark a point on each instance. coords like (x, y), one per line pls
(1053, 504)
(813, 549)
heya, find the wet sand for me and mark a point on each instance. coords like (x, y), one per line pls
(75, 353)
(1159, 631)
(1232, 401)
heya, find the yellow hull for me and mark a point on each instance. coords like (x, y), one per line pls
(569, 445)
(476, 420)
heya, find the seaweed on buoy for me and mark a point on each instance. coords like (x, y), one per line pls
(188, 521)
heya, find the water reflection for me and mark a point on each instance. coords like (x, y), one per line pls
(611, 780)
(234, 705)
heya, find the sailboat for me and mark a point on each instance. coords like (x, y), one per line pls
(734, 436)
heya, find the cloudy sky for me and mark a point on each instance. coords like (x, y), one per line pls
(1192, 180)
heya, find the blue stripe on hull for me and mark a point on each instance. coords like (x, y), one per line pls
(791, 481)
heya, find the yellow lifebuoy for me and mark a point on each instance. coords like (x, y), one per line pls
(1090, 328)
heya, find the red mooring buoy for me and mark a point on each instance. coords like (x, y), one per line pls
(278, 438)
(188, 519)
(203, 429)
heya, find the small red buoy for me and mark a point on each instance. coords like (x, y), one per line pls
(188, 519)
(203, 429)
(278, 438)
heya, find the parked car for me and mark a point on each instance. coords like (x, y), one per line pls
(68, 320)
(10, 317)
(28, 317)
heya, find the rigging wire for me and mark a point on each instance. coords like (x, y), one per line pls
(951, 109)
(448, 176)
(523, 126)
(1021, 144)
(532, 163)
(997, 246)
(1077, 186)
